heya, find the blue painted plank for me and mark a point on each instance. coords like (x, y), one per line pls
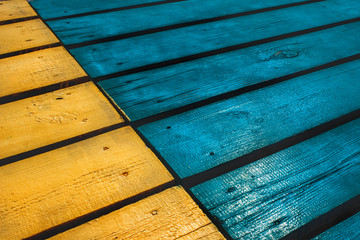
(110, 57)
(54, 9)
(205, 137)
(346, 230)
(151, 92)
(278, 194)
(86, 28)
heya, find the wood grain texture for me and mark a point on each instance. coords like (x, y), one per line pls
(115, 56)
(52, 188)
(171, 214)
(53, 9)
(346, 230)
(277, 194)
(25, 35)
(148, 93)
(52, 117)
(206, 137)
(86, 28)
(14, 9)
(37, 69)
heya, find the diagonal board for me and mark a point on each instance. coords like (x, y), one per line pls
(25, 35)
(15, 9)
(121, 55)
(87, 28)
(54, 9)
(52, 117)
(148, 93)
(346, 230)
(37, 69)
(206, 137)
(171, 214)
(49, 189)
(277, 194)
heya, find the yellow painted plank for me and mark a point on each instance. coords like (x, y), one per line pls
(48, 189)
(24, 35)
(14, 9)
(171, 214)
(37, 69)
(48, 118)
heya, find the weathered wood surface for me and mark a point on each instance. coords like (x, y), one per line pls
(86, 28)
(171, 214)
(54, 9)
(52, 117)
(276, 195)
(346, 230)
(15, 9)
(37, 69)
(203, 138)
(25, 35)
(147, 93)
(55, 187)
(115, 56)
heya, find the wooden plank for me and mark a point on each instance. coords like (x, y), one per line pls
(14, 9)
(52, 117)
(52, 188)
(86, 28)
(37, 69)
(277, 194)
(25, 35)
(206, 137)
(54, 9)
(346, 230)
(171, 214)
(148, 93)
(115, 56)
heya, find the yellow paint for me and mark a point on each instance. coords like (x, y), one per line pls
(46, 190)
(25, 35)
(171, 214)
(52, 117)
(14, 9)
(37, 69)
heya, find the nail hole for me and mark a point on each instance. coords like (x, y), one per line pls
(59, 98)
(28, 40)
(68, 94)
(232, 189)
(168, 127)
(212, 153)
(125, 174)
(85, 120)
(105, 148)
(154, 212)
(119, 64)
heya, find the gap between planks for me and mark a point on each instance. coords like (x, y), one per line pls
(171, 214)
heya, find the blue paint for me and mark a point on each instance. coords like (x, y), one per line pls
(82, 29)
(151, 92)
(54, 9)
(346, 230)
(240, 125)
(280, 193)
(114, 56)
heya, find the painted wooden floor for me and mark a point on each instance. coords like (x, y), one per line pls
(180, 119)
(68, 156)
